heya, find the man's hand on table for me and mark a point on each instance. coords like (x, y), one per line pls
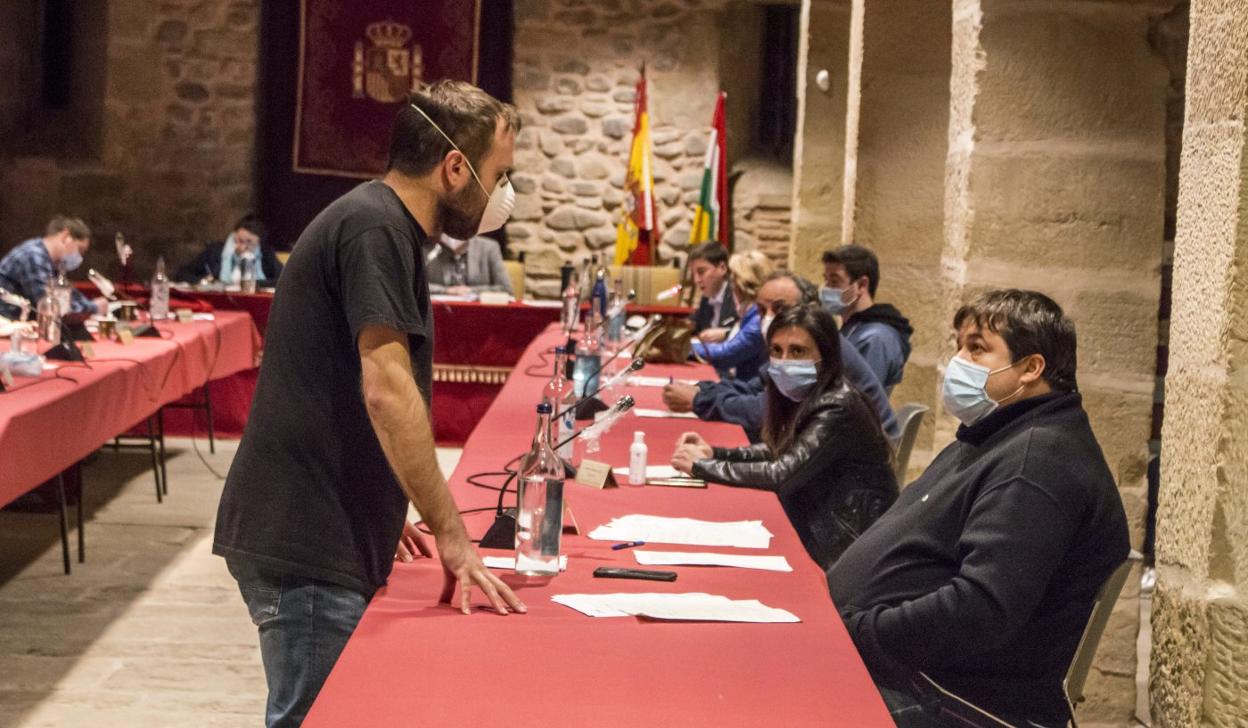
(679, 397)
(462, 565)
(690, 448)
(713, 336)
(412, 542)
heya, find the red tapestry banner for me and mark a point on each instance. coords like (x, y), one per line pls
(358, 61)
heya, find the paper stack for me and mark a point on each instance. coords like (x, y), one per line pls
(687, 531)
(689, 607)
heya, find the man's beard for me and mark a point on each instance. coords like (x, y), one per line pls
(456, 221)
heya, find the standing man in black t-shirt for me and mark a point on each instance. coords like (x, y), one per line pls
(339, 438)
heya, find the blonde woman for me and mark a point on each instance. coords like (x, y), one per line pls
(740, 353)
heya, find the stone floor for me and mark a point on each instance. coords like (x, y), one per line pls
(150, 631)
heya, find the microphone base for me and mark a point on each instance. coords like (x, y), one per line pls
(67, 350)
(590, 407)
(502, 534)
(146, 331)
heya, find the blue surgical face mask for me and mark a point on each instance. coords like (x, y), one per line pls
(794, 377)
(833, 300)
(72, 261)
(964, 390)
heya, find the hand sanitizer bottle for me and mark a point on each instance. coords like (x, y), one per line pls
(637, 460)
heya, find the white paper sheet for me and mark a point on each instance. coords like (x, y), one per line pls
(543, 304)
(663, 414)
(686, 607)
(743, 561)
(685, 531)
(654, 472)
(509, 562)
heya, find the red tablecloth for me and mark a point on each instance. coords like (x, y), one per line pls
(474, 346)
(411, 662)
(50, 423)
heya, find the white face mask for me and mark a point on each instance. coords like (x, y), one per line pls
(766, 324)
(964, 390)
(501, 201)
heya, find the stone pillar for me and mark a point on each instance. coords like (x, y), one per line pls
(899, 72)
(1055, 181)
(820, 146)
(1200, 611)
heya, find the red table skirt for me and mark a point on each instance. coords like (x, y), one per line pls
(475, 347)
(49, 423)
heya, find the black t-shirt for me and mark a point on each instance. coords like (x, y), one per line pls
(310, 492)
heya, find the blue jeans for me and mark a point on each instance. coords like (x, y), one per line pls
(928, 710)
(304, 624)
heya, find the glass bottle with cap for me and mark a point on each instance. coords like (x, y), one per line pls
(539, 517)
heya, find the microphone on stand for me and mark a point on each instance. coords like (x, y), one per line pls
(502, 533)
(579, 405)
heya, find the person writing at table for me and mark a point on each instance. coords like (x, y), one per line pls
(224, 261)
(739, 352)
(823, 452)
(460, 267)
(339, 441)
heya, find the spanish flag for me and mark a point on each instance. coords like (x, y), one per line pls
(710, 219)
(637, 235)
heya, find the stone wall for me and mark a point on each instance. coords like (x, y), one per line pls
(174, 162)
(1200, 613)
(576, 65)
(901, 82)
(821, 149)
(1056, 182)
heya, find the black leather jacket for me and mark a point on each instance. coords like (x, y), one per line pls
(834, 481)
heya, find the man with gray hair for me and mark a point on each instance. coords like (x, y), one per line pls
(740, 401)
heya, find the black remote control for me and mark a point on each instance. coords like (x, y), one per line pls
(613, 572)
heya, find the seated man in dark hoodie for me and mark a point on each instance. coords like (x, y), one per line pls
(978, 582)
(741, 401)
(878, 330)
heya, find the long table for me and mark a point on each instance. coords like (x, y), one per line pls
(475, 348)
(413, 662)
(51, 422)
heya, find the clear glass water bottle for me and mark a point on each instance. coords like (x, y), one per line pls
(63, 289)
(585, 370)
(571, 306)
(560, 394)
(158, 305)
(48, 313)
(248, 278)
(539, 518)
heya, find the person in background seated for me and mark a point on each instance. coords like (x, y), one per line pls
(743, 401)
(879, 331)
(223, 261)
(708, 263)
(823, 452)
(981, 577)
(459, 267)
(739, 353)
(26, 269)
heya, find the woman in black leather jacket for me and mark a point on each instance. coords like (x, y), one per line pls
(823, 452)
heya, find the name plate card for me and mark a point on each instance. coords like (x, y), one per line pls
(595, 475)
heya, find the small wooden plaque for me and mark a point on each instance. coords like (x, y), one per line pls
(185, 316)
(6, 377)
(87, 349)
(595, 475)
(125, 336)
